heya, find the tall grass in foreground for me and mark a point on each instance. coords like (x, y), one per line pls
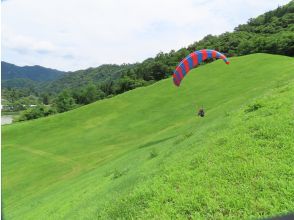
(242, 172)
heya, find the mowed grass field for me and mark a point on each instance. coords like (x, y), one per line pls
(144, 154)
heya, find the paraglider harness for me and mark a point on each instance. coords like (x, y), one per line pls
(201, 112)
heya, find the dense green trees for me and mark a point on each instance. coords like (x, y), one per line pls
(87, 94)
(64, 101)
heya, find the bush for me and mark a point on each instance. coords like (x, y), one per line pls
(36, 112)
(153, 154)
(253, 107)
(118, 173)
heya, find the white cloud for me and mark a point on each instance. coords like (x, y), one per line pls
(75, 34)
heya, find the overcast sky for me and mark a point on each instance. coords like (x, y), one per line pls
(77, 34)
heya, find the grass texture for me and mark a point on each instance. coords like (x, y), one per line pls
(145, 154)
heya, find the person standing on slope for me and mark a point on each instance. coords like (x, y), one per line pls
(201, 112)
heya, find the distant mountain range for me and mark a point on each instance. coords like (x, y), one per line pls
(17, 76)
(52, 80)
(34, 73)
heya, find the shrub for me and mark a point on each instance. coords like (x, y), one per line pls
(153, 154)
(36, 112)
(253, 107)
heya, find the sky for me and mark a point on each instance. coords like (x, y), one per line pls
(77, 34)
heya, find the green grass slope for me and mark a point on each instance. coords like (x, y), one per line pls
(144, 154)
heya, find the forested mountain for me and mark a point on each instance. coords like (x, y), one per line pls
(11, 72)
(81, 78)
(272, 32)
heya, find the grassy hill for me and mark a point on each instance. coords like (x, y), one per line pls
(145, 154)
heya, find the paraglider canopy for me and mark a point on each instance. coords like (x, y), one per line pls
(193, 60)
